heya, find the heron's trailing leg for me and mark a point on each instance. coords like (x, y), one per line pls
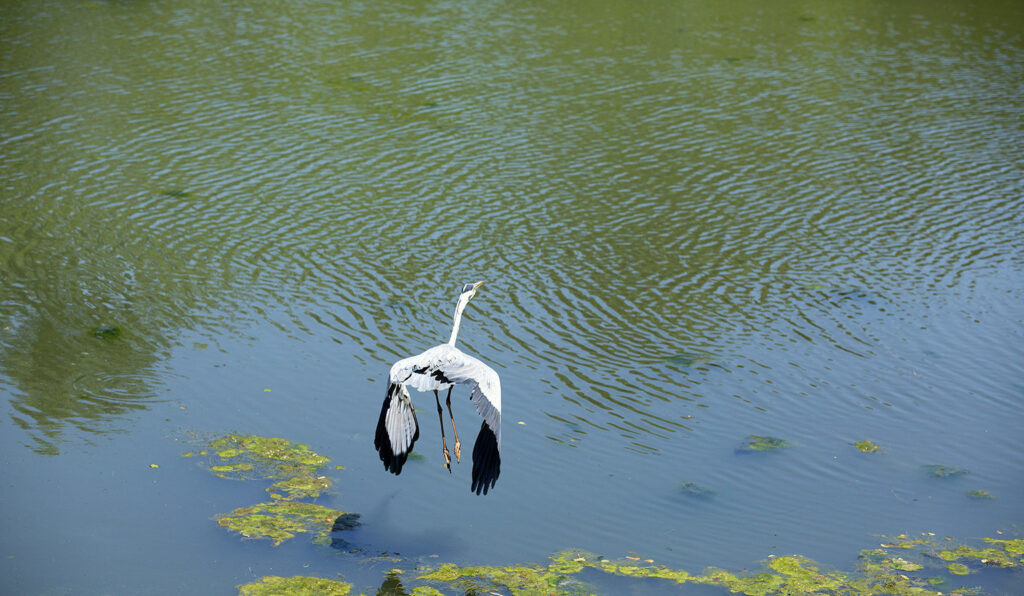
(444, 443)
(458, 444)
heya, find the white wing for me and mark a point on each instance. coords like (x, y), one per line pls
(397, 429)
(445, 365)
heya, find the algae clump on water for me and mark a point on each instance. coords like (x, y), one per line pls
(914, 571)
(272, 585)
(269, 457)
(280, 520)
(295, 467)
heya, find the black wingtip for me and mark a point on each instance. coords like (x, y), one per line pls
(393, 462)
(486, 461)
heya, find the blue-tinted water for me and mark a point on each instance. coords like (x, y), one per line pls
(696, 224)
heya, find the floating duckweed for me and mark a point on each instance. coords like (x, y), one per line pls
(299, 487)
(879, 567)
(902, 541)
(232, 468)
(880, 572)
(294, 464)
(757, 585)
(901, 564)
(569, 562)
(866, 446)
(273, 457)
(518, 579)
(272, 585)
(106, 332)
(958, 569)
(280, 520)
(762, 443)
(448, 572)
(938, 471)
(979, 494)
(658, 571)
(1014, 546)
(986, 556)
(802, 575)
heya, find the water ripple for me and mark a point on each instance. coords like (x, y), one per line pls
(624, 210)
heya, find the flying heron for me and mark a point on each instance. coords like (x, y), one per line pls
(439, 368)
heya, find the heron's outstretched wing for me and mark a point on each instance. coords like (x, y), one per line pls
(445, 365)
(397, 429)
(485, 390)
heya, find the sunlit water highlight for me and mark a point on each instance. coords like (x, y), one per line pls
(695, 224)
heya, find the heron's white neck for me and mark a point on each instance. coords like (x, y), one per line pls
(461, 306)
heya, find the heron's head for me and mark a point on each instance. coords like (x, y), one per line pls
(469, 290)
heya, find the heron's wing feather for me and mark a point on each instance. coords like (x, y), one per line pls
(485, 388)
(441, 367)
(422, 372)
(486, 460)
(397, 428)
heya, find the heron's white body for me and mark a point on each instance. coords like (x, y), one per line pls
(445, 365)
(436, 369)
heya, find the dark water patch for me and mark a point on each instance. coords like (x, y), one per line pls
(106, 332)
(942, 471)
(690, 358)
(693, 490)
(762, 443)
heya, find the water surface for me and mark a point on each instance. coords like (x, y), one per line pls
(696, 224)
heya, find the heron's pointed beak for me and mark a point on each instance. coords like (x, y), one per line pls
(477, 285)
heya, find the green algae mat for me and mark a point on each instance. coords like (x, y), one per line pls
(900, 565)
(296, 470)
(922, 566)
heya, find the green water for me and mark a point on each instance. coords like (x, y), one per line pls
(697, 222)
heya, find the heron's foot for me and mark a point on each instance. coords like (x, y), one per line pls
(448, 457)
(458, 451)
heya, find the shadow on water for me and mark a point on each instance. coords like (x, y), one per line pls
(392, 586)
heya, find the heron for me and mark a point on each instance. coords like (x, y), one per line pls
(439, 368)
